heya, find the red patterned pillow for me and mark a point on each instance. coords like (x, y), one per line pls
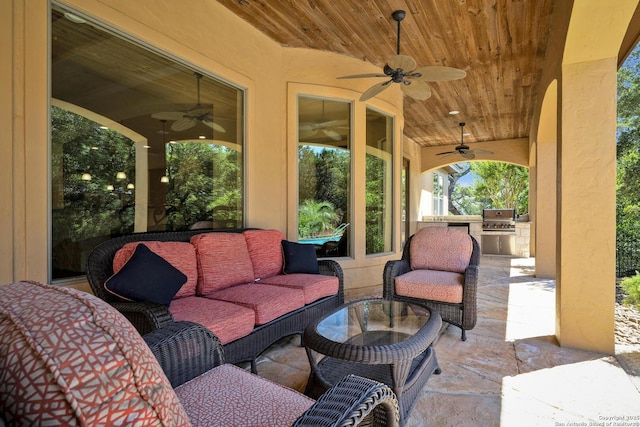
(223, 261)
(265, 251)
(441, 248)
(182, 255)
(68, 358)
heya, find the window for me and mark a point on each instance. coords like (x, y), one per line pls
(438, 194)
(379, 180)
(139, 142)
(324, 175)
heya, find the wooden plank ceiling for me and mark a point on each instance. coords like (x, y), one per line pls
(500, 44)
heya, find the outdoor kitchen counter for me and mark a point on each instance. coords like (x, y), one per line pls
(520, 248)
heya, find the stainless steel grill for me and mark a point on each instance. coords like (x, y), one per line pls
(499, 220)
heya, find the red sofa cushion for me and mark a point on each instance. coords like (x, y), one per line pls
(228, 321)
(268, 302)
(181, 255)
(314, 286)
(223, 261)
(230, 396)
(69, 358)
(265, 250)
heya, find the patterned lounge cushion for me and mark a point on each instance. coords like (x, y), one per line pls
(441, 248)
(182, 255)
(230, 396)
(434, 285)
(146, 276)
(265, 252)
(223, 261)
(268, 302)
(299, 258)
(68, 358)
(228, 321)
(314, 286)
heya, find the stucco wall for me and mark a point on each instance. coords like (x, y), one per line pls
(213, 39)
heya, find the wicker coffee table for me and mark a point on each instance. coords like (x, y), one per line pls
(388, 341)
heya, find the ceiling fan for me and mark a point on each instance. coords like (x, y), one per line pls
(402, 69)
(463, 149)
(187, 119)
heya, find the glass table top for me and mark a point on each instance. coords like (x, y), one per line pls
(373, 322)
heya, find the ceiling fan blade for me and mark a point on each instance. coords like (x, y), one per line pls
(374, 90)
(183, 124)
(332, 134)
(417, 89)
(405, 62)
(213, 125)
(446, 153)
(468, 155)
(359, 76)
(438, 74)
(333, 123)
(168, 115)
(304, 134)
(481, 152)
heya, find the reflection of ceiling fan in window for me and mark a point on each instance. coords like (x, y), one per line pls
(323, 127)
(183, 120)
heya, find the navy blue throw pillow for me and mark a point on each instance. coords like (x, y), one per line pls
(299, 258)
(146, 277)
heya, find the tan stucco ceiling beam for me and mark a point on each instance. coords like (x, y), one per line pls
(514, 151)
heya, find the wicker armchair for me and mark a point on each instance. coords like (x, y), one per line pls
(439, 268)
(186, 350)
(68, 358)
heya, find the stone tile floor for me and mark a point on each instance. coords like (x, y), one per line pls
(510, 371)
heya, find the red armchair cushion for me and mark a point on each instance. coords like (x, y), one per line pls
(230, 396)
(440, 248)
(434, 285)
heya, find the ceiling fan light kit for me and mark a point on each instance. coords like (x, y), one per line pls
(402, 69)
(464, 150)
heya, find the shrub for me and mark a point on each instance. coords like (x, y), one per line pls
(631, 286)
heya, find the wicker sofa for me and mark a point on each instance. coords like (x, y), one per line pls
(239, 291)
(68, 358)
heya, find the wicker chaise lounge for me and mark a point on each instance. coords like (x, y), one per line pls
(68, 358)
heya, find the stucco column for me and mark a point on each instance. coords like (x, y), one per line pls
(585, 289)
(546, 160)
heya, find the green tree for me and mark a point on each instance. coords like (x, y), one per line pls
(628, 166)
(315, 217)
(453, 185)
(503, 184)
(464, 199)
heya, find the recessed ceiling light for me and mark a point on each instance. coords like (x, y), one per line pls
(202, 137)
(466, 134)
(454, 112)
